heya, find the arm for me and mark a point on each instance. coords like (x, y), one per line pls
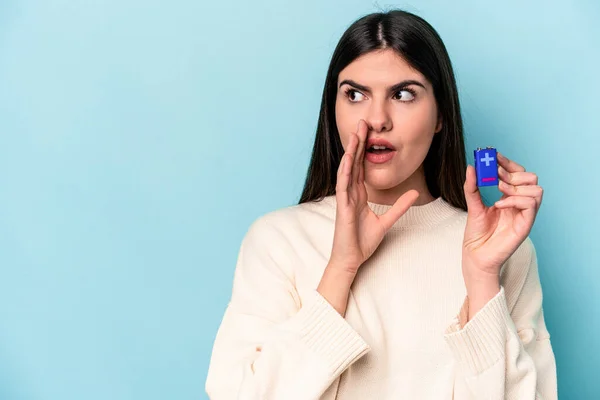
(503, 351)
(271, 344)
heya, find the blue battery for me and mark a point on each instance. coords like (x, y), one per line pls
(486, 166)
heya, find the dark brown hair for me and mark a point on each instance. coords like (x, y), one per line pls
(419, 44)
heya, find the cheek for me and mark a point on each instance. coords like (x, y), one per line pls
(418, 126)
(344, 120)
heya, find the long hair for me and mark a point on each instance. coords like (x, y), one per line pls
(417, 42)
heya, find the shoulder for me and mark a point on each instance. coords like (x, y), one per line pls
(282, 238)
(292, 223)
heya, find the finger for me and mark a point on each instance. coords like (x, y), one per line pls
(509, 165)
(340, 167)
(526, 205)
(340, 171)
(344, 172)
(351, 151)
(361, 174)
(520, 190)
(341, 185)
(520, 202)
(360, 151)
(403, 203)
(534, 191)
(472, 195)
(517, 178)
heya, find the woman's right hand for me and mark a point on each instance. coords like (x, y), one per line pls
(358, 230)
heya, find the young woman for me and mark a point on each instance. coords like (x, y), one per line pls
(391, 279)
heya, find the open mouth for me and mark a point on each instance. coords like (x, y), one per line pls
(379, 154)
(379, 150)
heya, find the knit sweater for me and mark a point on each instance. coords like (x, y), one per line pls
(405, 333)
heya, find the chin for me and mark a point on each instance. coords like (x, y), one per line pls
(384, 180)
(389, 177)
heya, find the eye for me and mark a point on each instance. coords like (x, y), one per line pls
(411, 94)
(351, 92)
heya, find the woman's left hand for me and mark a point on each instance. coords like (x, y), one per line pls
(492, 234)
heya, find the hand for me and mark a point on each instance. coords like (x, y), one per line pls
(492, 234)
(358, 230)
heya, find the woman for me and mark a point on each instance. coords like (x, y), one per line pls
(390, 279)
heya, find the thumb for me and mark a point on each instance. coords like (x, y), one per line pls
(474, 203)
(403, 203)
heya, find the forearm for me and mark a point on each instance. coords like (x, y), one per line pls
(335, 287)
(294, 359)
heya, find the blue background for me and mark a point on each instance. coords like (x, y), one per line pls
(139, 140)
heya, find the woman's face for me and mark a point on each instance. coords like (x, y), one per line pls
(405, 114)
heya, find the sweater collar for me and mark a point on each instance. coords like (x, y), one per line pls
(426, 215)
(423, 216)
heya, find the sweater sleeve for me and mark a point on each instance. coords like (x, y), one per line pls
(272, 343)
(504, 351)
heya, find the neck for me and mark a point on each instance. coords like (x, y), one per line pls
(420, 216)
(414, 182)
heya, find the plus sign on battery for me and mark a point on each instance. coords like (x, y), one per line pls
(487, 159)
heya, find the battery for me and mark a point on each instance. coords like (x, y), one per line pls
(486, 166)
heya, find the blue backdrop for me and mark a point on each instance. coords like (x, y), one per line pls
(139, 140)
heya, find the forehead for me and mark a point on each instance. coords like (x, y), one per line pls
(382, 67)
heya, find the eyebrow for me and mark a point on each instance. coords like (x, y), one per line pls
(392, 88)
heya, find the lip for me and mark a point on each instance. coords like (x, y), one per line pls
(380, 158)
(379, 142)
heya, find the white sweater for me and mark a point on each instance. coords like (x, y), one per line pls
(403, 335)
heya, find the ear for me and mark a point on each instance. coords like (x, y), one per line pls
(439, 125)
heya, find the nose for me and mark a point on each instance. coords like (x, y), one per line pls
(378, 117)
